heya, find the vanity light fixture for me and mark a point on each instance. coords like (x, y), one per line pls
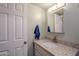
(56, 6)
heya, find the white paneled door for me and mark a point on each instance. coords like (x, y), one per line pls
(13, 35)
(58, 23)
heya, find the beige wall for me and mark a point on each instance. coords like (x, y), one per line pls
(36, 16)
(71, 23)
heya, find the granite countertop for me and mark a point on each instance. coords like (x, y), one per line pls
(56, 49)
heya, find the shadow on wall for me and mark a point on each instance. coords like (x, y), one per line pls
(30, 50)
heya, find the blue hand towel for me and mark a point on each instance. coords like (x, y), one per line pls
(49, 29)
(37, 32)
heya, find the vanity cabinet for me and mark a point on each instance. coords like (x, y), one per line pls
(45, 47)
(39, 51)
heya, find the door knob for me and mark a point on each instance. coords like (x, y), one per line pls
(25, 42)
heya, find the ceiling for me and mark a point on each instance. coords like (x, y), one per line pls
(44, 5)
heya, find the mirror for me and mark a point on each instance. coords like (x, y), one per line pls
(55, 19)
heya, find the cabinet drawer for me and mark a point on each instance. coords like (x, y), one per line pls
(42, 51)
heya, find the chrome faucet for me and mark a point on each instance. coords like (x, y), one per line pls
(55, 39)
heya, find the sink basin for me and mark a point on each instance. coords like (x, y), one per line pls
(50, 45)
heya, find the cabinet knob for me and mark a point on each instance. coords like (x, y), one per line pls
(25, 42)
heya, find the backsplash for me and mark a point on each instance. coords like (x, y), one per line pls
(60, 39)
